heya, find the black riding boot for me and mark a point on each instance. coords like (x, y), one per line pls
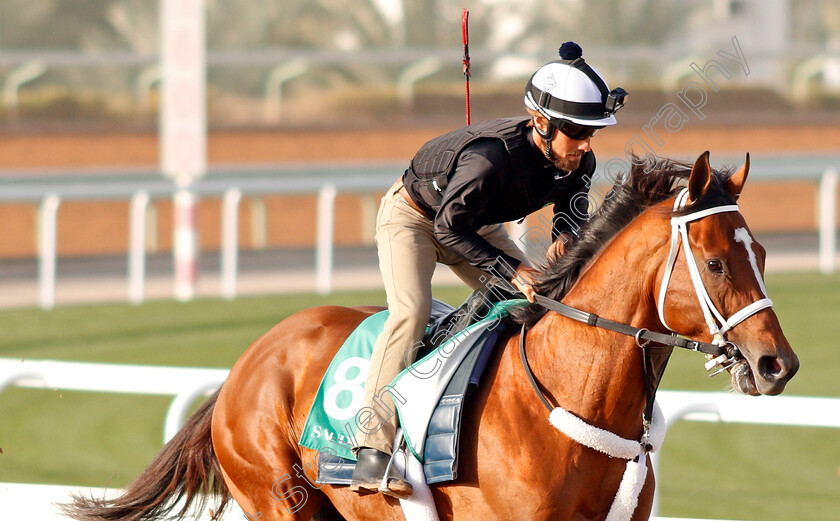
(370, 468)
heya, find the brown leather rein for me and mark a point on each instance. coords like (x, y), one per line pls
(645, 339)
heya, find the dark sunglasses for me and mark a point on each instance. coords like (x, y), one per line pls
(575, 131)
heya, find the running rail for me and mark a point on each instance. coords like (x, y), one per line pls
(188, 384)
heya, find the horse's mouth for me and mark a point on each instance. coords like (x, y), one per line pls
(743, 379)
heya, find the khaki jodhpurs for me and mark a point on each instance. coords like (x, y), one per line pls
(408, 252)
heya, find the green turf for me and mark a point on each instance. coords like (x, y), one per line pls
(760, 472)
(707, 470)
(102, 439)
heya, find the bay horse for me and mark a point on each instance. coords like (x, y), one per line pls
(241, 443)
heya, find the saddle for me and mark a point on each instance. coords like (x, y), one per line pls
(429, 395)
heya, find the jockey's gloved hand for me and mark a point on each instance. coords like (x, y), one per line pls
(523, 280)
(559, 246)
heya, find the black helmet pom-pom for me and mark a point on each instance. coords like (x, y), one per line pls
(570, 51)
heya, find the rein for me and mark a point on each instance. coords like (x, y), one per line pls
(643, 337)
(719, 352)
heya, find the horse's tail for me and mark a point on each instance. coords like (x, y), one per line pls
(186, 467)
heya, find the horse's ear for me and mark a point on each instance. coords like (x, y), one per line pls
(700, 178)
(736, 181)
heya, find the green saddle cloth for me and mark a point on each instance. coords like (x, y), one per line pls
(331, 424)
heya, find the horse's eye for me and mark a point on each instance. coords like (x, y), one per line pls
(715, 265)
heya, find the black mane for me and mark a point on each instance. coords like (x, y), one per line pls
(646, 186)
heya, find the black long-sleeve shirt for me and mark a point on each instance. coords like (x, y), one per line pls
(485, 188)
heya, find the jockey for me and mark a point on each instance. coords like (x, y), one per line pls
(449, 207)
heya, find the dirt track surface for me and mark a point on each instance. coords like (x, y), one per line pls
(98, 150)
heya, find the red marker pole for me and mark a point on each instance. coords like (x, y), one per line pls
(465, 33)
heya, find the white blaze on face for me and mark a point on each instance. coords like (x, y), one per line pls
(743, 236)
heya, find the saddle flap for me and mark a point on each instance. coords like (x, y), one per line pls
(423, 383)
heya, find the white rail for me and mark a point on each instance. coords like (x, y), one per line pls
(188, 384)
(137, 247)
(828, 221)
(38, 502)
(326, 183)
(796, 411)
(47, 250)
(325, 238)
(230, 242)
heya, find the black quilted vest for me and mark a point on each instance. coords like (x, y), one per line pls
(428, 173)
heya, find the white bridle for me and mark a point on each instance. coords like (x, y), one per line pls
(718, 325)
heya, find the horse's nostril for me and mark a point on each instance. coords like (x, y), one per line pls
(770, 367)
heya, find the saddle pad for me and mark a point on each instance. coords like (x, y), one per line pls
(441, 449)
(423, 383)
(440, 457)
(331, 424)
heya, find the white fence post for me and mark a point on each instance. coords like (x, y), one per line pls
(412, 74)
(47, 250)
(828, 221)
(179, 409)
(370, 206)
(324, 245)
(185, 244)
(137, 247)
(19, 75)
(278, 76)
(259, 223)
(147, 77)
(230, 242)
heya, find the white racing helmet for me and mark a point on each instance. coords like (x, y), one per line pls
(571, 90)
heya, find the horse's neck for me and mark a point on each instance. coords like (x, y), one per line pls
(595, 373)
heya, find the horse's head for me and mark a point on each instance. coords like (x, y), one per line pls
(721, 297)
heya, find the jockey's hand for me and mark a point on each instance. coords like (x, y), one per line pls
(523, 281)
(558, 247)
